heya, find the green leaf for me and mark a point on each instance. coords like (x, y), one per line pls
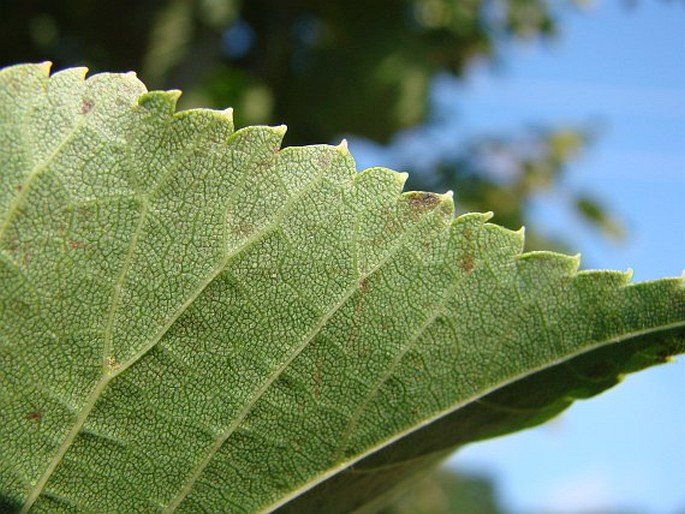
(195, 320)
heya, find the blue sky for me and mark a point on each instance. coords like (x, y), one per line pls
(623, 71)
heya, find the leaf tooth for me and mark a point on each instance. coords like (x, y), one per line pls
(554, 256)
(564, 265)
(221, 117)
(279, 131)
(41, 69)
(611, 278)
(69, 74)
(403, 176)
(385, 175)
(470, 217)
(163, 102)
(262, 134)
(510, 242)
(128, 83)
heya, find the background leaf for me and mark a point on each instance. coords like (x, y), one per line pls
(194, 318)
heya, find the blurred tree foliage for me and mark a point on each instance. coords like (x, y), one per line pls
(326, 68)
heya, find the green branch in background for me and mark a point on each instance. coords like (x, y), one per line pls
(195, 319)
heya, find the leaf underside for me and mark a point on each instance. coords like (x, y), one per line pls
(193, 319)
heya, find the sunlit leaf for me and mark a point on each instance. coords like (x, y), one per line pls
(193, 319)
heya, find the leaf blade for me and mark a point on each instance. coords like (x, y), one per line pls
(249, 311)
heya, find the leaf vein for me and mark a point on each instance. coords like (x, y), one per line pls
(452, 408)
(262, 389)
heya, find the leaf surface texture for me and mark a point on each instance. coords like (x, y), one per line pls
(195, 319)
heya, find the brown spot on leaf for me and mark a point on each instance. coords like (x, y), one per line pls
(87, 106)
(19, 187)
(35, 416)
(467, 264)
(75, 245)
(245, 228)
(423, 200)
(324, 160)
(112, 364)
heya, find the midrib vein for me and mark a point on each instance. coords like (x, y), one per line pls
(173, 505)
(111, 373)
(66, 444)
(147, 200)
(12, 210)
(343, 465)
(309, 337)
(108, 374)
